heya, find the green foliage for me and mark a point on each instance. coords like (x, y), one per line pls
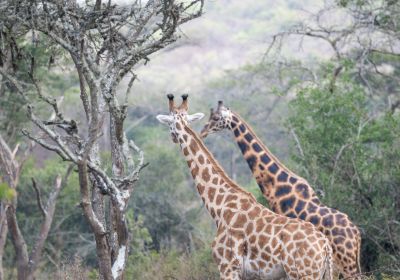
(172, 265)
(70, 234)
(352, 156)
(165, 197)
(6, 192)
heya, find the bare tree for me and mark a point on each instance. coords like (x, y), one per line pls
(359, 31)
(27, 262)
(104, 41)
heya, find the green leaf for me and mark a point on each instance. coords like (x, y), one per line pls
(6, 192)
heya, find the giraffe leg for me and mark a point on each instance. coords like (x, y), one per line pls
(230, 270)
(225, 256)
(299, 265)
(231, 275)
(351, 269)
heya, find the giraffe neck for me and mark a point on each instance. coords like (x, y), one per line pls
(211, 181)
(266, 168)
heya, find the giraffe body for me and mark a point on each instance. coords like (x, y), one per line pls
(251, 242)
(289, 194)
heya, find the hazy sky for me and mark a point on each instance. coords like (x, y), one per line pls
(231, 33)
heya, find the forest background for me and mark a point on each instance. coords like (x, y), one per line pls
(317, 80)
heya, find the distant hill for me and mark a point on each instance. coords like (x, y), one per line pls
(231, 33)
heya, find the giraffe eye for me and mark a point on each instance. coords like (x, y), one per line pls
(215, 118)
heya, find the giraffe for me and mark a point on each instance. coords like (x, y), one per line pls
(289, 194)
(251, 242)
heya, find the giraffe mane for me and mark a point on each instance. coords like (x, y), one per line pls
(216, 165)
(266, 149)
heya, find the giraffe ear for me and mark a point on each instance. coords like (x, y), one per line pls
(195, 117)
(165, 119)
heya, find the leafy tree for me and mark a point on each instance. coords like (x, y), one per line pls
(348, 153)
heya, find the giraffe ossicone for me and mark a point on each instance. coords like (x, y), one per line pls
(251, 242)
(289, 194)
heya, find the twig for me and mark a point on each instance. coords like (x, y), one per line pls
(38, 197)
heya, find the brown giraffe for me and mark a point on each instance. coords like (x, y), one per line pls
(251, 242)
(289, 194)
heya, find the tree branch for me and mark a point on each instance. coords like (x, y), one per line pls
(38, 197)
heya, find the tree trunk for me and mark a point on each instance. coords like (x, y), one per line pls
(18, 241)
(3, 237)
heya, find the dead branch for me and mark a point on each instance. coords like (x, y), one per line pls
(38, 197)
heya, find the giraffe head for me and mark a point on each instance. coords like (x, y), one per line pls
(178, 116)
(220, 119)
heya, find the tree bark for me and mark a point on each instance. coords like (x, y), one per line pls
(21, 250)
(3, 236)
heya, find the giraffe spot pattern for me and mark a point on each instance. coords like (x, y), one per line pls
(205, 175)
(291, 215)
(282, 177)
(265, 159)
(211, 194)
(242, 128)
(254, 213)
(193, 147)
(300, 206)
(200, 188)
(212, 213)
(341, 220)
(336, 231)
(243, 146)
(316, 200)
(327, 221)
(314, 220)
(219, 199)
(303, 190)
(201, 159)
(240, 221)
(273, 168)
(283, 190)
(339, 240)
(287, 203)
(195, 171)
(303, 216)
(293, 180)
(349, 245)
(252, 161)
(290, 203)
(312, 208)
(349, 232)
(248, 137)
(236, 132)
(228, 215)
(256, 147)
(323, 211)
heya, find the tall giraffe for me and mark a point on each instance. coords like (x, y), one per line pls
(290, 194)
(252, 242)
